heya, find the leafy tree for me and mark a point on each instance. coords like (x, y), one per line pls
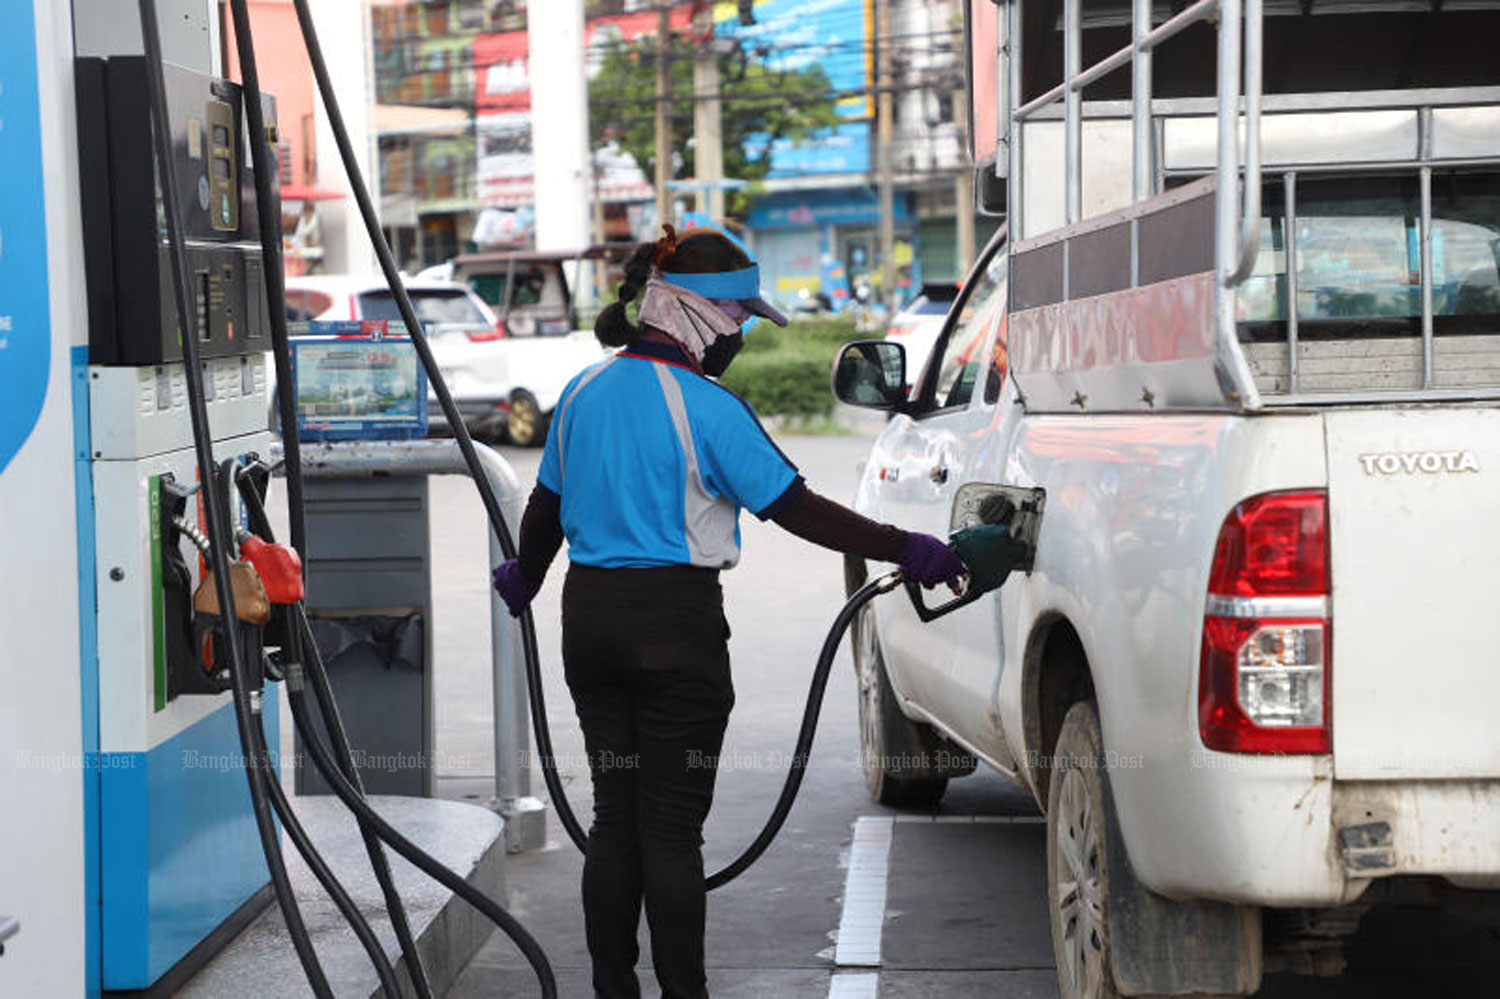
(758, 103)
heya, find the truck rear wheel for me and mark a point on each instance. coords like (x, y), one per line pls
(1077, 859)
(893, 748)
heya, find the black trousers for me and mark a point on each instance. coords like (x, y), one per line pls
(647, 661)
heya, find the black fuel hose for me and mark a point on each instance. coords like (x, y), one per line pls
(246, 709)
(313, 741)
(272, 266)
(297, 677)
(225, 480)
(793, 782)
(331, 884)
(535, 694)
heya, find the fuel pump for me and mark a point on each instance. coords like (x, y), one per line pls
(163, 660)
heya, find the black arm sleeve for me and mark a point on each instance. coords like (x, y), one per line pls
(541, 533)
(823, 522)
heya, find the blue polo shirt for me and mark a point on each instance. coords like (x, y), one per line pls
(653, 463)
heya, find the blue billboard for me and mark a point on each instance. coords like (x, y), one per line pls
(834, 35)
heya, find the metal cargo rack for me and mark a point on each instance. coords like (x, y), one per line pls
(1128, 298)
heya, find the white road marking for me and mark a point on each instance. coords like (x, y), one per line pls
(863, 917)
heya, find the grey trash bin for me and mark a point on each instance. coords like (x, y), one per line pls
(369, 596)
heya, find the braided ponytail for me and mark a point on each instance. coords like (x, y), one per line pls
(613, 327)
(700, 251)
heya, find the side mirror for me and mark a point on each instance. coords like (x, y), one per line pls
(872, 374)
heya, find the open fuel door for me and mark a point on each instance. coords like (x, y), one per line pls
(1018, 508)
(994, 528)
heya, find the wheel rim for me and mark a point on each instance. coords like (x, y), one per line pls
(1079, 890)
(869, 692)
(521, 420)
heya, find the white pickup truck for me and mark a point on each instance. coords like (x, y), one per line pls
(1253, 674)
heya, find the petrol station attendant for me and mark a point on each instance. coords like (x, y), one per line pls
(647, 465)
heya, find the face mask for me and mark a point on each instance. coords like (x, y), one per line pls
(720, 353)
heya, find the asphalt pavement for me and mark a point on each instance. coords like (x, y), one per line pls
(961, 910)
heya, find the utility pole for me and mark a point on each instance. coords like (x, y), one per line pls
(663, 119)
(884, 153)
(708, 134)
(601, 266)
(963, 188)
(559, 125)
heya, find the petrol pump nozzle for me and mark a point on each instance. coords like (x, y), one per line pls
(279, 566)
(989, 553)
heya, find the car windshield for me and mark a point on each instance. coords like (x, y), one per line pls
(1359, 257)
(449, 307)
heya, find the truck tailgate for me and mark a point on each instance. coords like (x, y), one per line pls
(1414, 503)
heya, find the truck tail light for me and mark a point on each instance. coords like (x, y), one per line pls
(1264, 676)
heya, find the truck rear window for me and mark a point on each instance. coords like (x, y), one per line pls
(1359, 258)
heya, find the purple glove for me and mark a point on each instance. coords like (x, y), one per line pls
(927, 560)
(514, 588)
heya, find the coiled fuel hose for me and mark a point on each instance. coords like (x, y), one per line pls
(305, 666)
(246, 707)
(535, 695)
(270, 228)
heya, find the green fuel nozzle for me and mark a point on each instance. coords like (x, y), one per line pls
(989, 553)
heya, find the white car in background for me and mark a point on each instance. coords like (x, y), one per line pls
(504, 384)
(916, 327)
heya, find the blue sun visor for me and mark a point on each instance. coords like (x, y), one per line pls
(742, 285)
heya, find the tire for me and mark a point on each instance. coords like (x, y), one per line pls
(886, 736)
(1077, 859)
(525, 423)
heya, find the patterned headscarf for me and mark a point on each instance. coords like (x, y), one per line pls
(687, 317)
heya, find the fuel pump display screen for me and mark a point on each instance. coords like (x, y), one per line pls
(224, 189)
(357, 386)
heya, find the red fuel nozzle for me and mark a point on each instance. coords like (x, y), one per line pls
(279, 568)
